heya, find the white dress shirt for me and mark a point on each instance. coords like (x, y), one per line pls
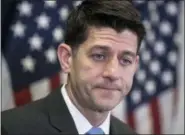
(81, 123)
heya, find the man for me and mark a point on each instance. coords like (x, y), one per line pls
(100, 56)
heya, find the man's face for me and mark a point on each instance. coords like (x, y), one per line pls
(103, 68)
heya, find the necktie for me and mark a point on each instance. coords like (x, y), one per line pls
(94, 131)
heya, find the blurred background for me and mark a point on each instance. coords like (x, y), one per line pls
(32, 30)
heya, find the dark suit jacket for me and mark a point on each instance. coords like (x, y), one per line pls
(48, 116)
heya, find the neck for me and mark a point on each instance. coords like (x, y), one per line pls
(96, 118)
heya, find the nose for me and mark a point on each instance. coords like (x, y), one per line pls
(111, 70)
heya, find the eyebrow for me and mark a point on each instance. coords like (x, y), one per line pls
(129, 53)
(102, 47)
(106, 48)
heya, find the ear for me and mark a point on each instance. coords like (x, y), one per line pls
(64, 53)
(137, 63)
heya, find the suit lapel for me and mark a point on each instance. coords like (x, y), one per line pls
(59, 115)
(113, 129)
(61, 119)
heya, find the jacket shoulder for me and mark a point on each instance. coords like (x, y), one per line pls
(121, 127)
(23, 118)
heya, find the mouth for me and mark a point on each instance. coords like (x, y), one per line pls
(109, 88)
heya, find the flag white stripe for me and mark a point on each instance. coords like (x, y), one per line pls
(7, 93)
(178, 124)
(40, 89)
(143, 119)
(166, 101)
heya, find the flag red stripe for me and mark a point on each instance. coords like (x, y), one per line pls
(22, 97)
(130, 119)
(55, 81)
(155, 113)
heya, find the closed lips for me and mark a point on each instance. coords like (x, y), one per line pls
(109, 88)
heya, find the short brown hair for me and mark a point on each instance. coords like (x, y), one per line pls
(117, 14)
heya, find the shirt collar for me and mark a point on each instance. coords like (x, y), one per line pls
(82, 124)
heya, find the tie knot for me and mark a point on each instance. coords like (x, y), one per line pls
(95, 130)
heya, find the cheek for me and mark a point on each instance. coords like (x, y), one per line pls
(127, 78)
(127, 72)
(88, 71)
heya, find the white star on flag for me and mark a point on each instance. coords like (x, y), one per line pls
(165, 28)
(43, 21)
(58, 34)
(136, 96)
(18, 29)
(28, 64)
(141, 75)
(172, 58)
(167, 77)
(147, 25)
(143, 45)
(150, 87)
(146, 56)
(171, 8)
(51, 55)
(159, 47)
(155, 67)
(152, 6)
(155, 17)
(25, 8)
(64, 12)
(150, 37)
(36, 42)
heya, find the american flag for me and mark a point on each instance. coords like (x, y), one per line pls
(30, 52)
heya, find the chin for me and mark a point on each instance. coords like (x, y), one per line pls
(105, 107)
(106, 103)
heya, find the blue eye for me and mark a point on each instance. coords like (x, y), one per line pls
(98, 57)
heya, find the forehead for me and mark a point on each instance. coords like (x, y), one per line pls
(125, 39)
